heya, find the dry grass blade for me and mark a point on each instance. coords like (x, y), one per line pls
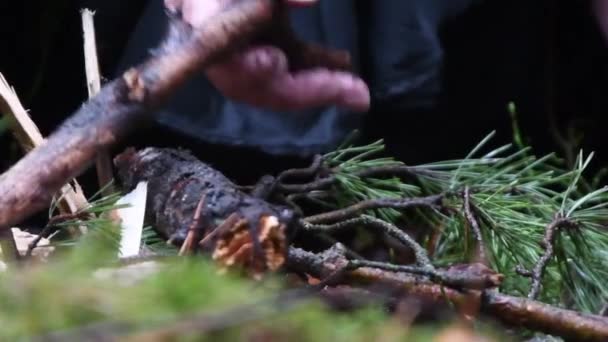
(103, 162)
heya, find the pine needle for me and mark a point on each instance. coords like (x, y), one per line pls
(516, 195)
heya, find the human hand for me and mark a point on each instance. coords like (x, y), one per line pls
(260, 75)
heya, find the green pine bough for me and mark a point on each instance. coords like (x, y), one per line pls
(515, 197)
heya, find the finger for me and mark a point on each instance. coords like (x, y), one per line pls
(320, 88)
(255, 65)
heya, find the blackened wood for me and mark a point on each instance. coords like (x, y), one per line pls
(177, 185)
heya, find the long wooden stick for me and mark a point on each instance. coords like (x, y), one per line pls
(121, 104)
(103, 163)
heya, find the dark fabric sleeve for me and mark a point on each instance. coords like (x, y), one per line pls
(404, 58)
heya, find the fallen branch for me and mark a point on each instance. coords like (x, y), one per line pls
(513, 311)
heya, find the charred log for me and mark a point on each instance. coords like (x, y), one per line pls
(187, 195)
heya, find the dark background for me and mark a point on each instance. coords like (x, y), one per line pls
(546, 56)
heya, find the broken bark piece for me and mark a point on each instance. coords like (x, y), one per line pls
(178, 183)
(237, 247)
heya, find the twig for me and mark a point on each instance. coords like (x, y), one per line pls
(103, 162)
(191, 243)
(233, 221)
(52, 224)
(547, 243)
(463, 278)
(510, 310)
(387, 228)
(380, 203)
(458, 280)
(381, 171)
(310, 171)
(468, 210)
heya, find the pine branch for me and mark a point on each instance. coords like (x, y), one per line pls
(515, 195)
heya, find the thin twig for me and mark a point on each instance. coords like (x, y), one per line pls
(233, 221)
(422, 258)
(308, 172)
(456, 280)
(379, 203)
(381, 171)
(464, 278)
(547, 244)
(51, 226)
(191, 243)
(475, 228)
